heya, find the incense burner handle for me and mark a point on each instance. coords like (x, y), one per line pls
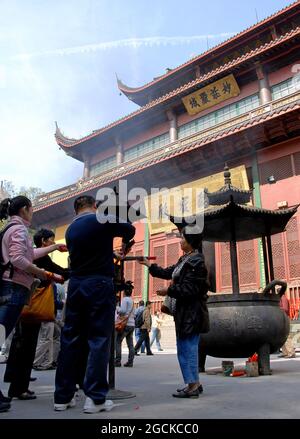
(273, 284)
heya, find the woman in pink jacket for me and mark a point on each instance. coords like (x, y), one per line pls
(16, 257)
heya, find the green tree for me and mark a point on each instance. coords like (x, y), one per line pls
(31, 192)
(7, 189)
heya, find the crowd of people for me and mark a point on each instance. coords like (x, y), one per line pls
(31, 297)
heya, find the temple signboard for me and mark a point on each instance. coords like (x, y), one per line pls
(184, 199)
(211, 95)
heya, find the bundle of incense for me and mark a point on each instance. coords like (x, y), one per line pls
(139, 258)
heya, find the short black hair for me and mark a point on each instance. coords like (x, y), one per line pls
(141, 303)
(128, 288)
(148, 302)
(83, 201)
(194, 239)
(40, 235)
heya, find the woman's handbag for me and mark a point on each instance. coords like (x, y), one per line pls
(121, 322)
(169, 306)
(41, 306)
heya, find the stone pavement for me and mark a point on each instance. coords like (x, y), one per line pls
(153, 379)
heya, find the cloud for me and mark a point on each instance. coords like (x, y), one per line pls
(133, 43)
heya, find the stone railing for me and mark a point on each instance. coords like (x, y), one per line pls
(169, 150)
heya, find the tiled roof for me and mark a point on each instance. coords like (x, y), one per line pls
(66, 143)
(129, 90)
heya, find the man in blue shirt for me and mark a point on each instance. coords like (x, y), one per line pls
(90, 307)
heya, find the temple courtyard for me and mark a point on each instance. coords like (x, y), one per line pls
(154, 379)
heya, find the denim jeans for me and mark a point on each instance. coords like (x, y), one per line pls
(155, 336)
(90, 314)
(187, 354)
(128, 334)
(13, 297)
(137, 336)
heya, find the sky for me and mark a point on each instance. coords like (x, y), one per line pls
(59, 60)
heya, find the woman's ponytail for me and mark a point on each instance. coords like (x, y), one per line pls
(4, 208)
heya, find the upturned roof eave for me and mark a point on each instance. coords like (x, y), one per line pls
(67, 143)
(136, 94)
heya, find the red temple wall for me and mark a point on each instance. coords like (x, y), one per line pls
(281, 75)
(147, 135)
(283, 161)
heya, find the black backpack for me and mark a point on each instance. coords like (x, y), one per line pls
(8, 265)
(139, 319)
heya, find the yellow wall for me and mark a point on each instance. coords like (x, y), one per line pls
(58, 257)
(212, 183)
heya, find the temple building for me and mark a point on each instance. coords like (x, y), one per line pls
(237, 103)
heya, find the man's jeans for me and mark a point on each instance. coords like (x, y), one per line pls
(90, 312)
(12, 299)
(187, 353)
(128, 333)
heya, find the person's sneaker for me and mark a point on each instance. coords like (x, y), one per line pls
(150, 353)
(4, 407)
(291, 356)
(63, 407)
(128, 365)
(281, 356)
(160, 350)
(91, 407)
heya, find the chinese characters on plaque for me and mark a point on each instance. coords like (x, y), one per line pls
(211, 95)
(187, 199)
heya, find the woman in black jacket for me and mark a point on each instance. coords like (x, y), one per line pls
(189, 287)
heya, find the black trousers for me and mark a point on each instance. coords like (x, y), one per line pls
(21, 357)
(144, 337)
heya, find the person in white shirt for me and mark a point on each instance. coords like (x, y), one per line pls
(157, 323)
(126, 309)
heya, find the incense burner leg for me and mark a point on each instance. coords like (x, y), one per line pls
(264, 360)
(202, 359)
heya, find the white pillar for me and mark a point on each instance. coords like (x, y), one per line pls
(86, 169)
(265, 94)
(173, 125)
(119, 154)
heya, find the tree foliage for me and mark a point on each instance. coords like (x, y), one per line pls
(9, 190)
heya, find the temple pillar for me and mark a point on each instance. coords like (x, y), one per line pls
(146, 253)
(119, 154)
(86, 168)
(273, 32)
(265, 94)
(197, 72)
(173, 125)
(263, 275)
